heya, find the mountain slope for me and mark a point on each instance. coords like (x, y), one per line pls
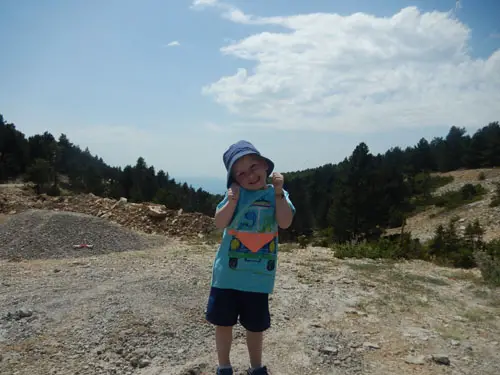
(424, 224)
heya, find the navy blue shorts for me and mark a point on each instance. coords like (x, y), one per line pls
(225, 306)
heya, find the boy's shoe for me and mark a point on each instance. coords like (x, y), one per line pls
(225, 371)
(258, 371)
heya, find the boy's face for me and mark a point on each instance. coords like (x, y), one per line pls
(250, 172)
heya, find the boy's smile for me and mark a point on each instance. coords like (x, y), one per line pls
(250, 172)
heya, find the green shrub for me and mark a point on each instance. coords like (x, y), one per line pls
(322, 238)
(54, 191)
(440, 181)
(303, 241)
(481, 176)
(400, 247)
(488, 261)
(448, 248)
(412, 248)
(422, 187)
(467, 194)
(495, 201)
(364, 250)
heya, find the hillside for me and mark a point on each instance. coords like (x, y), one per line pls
(352, 200)
(424, 224)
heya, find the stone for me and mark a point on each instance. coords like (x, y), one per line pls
(143, 362)
(415, 360)
(20, 314)
(441, 359)
(156, 213)
(329, 350)
(369, 345)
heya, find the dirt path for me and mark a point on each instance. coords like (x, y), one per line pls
(142, 313)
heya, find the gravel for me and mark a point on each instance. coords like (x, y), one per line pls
(40, 234)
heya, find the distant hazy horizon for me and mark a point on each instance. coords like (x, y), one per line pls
(213, 185)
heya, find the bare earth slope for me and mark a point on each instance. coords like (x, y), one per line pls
(141, 312)
(423, 225)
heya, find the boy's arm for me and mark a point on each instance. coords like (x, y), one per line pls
(226, 208)
(224, 214)
(284, 211)
(284, 207)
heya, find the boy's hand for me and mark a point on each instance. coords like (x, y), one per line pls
(233, 193)
(278, 181)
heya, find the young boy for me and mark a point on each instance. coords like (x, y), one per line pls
(245, 265)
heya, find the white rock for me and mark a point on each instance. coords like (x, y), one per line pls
(415, 360)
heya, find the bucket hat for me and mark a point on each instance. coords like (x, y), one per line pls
(237, 151)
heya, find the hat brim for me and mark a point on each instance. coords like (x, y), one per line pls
(238, 156)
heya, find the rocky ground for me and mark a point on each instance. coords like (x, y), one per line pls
(141, 313)
(133, 304)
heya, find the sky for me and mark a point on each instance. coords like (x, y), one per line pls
(178, 81)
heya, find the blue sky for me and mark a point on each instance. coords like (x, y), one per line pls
(178, 81)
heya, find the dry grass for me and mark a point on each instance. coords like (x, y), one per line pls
(465, 275)
(287, 247)
(426, 279)
(452, 333)
(478, 315)
(370, 267)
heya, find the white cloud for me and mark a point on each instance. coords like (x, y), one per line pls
(174, 43)
(358, 73)
(230, 12)
(203, 3)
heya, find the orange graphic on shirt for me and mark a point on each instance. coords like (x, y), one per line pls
(253, 241)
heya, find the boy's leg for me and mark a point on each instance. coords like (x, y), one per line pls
(222, 311)
(255, 318)
(223, 340)
(254, 344)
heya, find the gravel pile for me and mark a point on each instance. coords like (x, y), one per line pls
(144, 217)
(36, 234)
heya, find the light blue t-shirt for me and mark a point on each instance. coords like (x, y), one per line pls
(236, 266)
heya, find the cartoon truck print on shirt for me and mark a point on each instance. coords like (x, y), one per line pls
(238, 251)
(256, 239)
